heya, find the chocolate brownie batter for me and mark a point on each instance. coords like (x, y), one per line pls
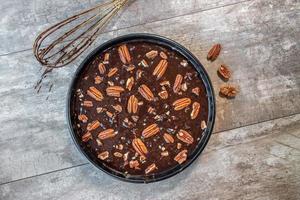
(139, 108)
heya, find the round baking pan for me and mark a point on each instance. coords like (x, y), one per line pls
(162, 41)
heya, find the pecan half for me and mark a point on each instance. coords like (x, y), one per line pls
(146, 92)
(95, 94)
(124, 54)
(177, 83)
(114, 91)
(168, 138)
(185, 137)
(92, 126)
(134, 164)
(108, 133)
(181, 103)
(150, 131)
(86, 137)
(196, 110)
(139, 147)
(101, 68)
(104, 155)
(132, 105)
(88, 104)
(150, 168)
(129, 83)
(151, 54)
(214, 52)
(163, 55)
(163, 94)
(224, 72)
(229, 90)
(83, 118)
(118, 108)
(160, 69)
(196, 91)
(112, 72)
(181, 156)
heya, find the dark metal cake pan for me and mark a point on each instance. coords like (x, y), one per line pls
(156, 39)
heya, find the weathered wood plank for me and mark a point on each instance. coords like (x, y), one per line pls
(261, 161)
(21, 21)
(34, 136)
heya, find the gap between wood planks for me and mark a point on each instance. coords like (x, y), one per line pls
(141, 24)
(86, 163)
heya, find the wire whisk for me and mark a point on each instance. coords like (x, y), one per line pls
(62, 43)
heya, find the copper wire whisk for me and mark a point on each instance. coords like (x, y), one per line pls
(62, 43)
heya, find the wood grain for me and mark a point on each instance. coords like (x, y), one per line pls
(256, 162)
(21, 21)
(260, 43)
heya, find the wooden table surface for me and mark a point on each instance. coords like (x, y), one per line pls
(254, 152)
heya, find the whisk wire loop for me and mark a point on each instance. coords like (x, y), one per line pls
(63, 50)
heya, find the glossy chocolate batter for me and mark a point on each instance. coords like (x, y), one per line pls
(120, 153)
